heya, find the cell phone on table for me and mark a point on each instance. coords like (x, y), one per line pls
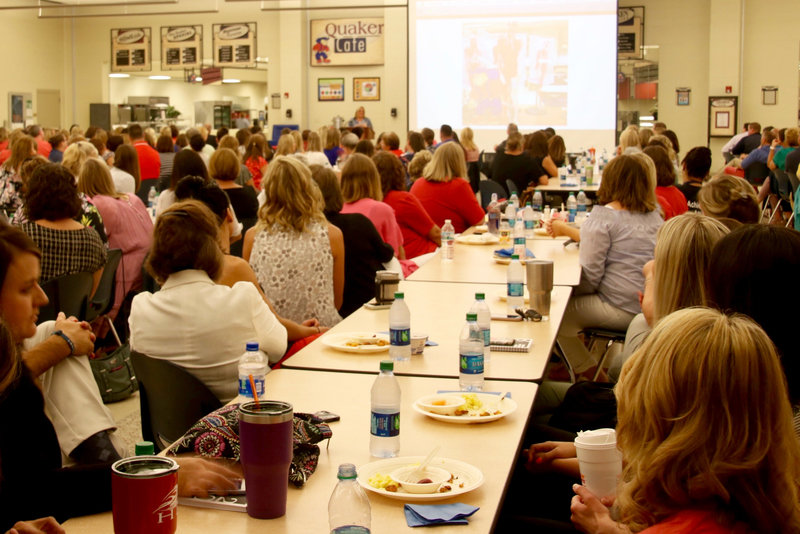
(512, 318)
(239, 490)
(327, 417)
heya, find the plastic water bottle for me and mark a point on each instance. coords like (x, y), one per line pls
(481, 309)
(348, 510)
(505, 232)
(530, 221)
(399, 329)
(470, 348)
(252, 363)
(448, 241)
(384, 440)
(493, 209)
(514, 200)
(581, 203)
(519, 235)
(516, 286)
(583, 177)
(572, 206)
(562, 176)
(537, 201)
(511, 213)
(151, 197)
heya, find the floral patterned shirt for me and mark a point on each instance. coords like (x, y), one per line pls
(10, 188)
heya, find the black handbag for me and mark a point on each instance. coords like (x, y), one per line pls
(114, 372)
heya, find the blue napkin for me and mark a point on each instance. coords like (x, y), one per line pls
(442, 392)
(428, 343)
(423, 515)
(508, 252)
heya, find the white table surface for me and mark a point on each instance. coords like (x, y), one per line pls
(439, 310)
(474, 264)
(492, 447)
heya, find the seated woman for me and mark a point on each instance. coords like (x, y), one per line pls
(557, 151)
(444, 193)
(729, 197)
(256, 156)
(181, 323)
(296, 254)
(186, 163)
(417, 166)
(125, 172)
(230, 142)
(420, 234)
(22, 148)
(362, 192)
(314, 151)
(224, 168)
(685, 467)
(127, 224)
(166, 154)
(518, 166)
(629, 143)
(25, 406)
(536, 147)
(669, 197)
(236, 269)
(331, 145)
(365, 147)
(616, 240)
(51, 206)
(26, 170)
(365, 251)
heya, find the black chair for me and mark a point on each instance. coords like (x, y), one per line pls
(171, 399)
(144, 190)
(756, 172)
(69, 294)
(103, 299)
(608, 338)
(488, 187)
(512, 188)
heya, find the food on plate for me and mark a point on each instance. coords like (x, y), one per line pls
(392, 488)
(379, 481)
(439, 402)
(425, 481)
(361, 343)
(472, 402)
(445, 488)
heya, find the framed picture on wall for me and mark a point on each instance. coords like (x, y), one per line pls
(330, 89)
(366, 89)
(722, 116)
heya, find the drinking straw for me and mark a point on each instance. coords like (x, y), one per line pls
(255, 393)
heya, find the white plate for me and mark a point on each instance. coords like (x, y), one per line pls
(470, 476)
(540, 231)
(337, 341)
(484, 239)
(502, 296)
(507, 407)
(506, 261)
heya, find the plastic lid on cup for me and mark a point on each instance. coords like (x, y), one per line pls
(601, 439)
(252, 346)
(145, 448)
(347, 472)
(399, 295)
(387, 365)
(447, 221)
(480, 296)
(472, 317)
(515, 256)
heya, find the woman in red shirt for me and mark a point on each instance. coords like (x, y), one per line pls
(670, 198)
(444, 193)
(705, 427)
(255, 159)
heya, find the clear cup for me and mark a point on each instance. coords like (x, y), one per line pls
(600, 461)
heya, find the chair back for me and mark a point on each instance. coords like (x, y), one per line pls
(512, 187)
(756, 172)
(103, 299)
(69, 294)
(795, 181)
(144, 189)
(171, 399)
(783, 183)
(488, 187)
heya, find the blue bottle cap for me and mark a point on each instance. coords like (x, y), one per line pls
(251, 346)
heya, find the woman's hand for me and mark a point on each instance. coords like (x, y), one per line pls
(310, 322)
(556, 228)
(46, 525)
(80, 333)
(550, 450)
(196, 477)
(590, 515)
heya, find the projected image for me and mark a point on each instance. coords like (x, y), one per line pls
(515, 72)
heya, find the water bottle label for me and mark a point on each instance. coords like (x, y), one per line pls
(581, 207)
(515, 289)
(529, 225)
(487, 337)
(471, 365)
(385, 425)
(350, 529)
(244, 386)
(520, 240)
(400, 337)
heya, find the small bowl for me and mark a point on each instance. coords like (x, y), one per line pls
(418, 343)
(452, 403)
(438, 477)
(365, 338)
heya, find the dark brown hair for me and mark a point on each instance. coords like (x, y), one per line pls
(165, 144)
(391, 140)
(224, 165)
(365, 147)
(127, 159)
(187, 163)
(665, 170)
(329, 187)
(536, 144)
(186, 237)
(391, 171)
(52, 194)
(360, 179)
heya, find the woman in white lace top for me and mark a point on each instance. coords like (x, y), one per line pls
(297, 256)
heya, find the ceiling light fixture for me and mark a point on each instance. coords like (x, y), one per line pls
(231, 80)
(160, 77)
(119, 75)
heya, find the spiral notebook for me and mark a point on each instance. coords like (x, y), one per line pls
(520, 345)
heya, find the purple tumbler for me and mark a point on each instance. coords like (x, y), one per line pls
(265, 437)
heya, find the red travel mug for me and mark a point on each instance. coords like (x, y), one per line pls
(144, 494)
(265, 440)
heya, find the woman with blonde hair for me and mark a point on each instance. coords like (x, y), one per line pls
(629, 143)
(297, 137)
(314, 151)
(22, 148)
(293, 236)
(127, 225)
(444, 193)
(418, 163)
(729, 197)
(286, 145)
(719, 457)
(255, 159)
(76, 155)
(645, 134)
(245, 176)
(472, 154)
(330, 145)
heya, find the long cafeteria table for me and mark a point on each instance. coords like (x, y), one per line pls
(491, 447)
(439, 310)
(474, 264)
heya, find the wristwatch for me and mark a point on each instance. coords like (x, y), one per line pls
(67, 339)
